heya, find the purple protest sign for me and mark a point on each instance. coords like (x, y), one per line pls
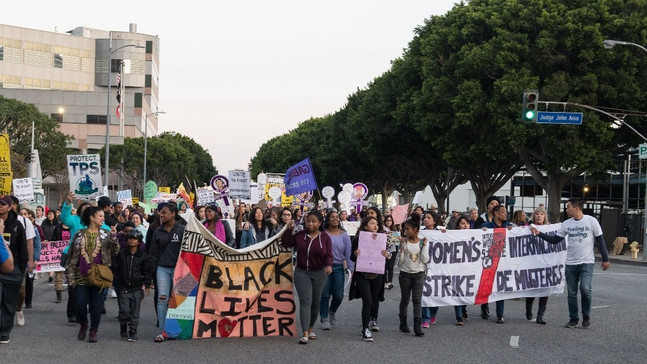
(370, 259)
(220, 185)
(300, 178)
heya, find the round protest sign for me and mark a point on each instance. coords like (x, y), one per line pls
(274, 192)
(344, 197)
(328, 192)
(261, 179)
(348, 188)
(360, 191)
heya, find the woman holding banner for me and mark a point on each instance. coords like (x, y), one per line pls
(394, 243)
(257, 230)
(430, 221)
(538, 218)
(220, 229)
(341, 265)
(460, 311)
(412, 260)
(314, 263)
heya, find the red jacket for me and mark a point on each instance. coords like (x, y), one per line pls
(312, 254)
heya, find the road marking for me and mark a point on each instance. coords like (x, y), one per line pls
(621, 274)
(514, 341)
(601, 306)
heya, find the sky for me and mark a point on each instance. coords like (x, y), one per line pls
(234, 74)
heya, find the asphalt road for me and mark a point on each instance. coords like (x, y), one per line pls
(617, 334)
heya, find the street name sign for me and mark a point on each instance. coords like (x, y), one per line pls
(549, 117)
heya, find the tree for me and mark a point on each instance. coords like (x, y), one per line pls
(16, 119)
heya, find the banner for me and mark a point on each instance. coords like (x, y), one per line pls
(23, 189)
(125, 197)
(473, 266)
(205, 196)
(300, 178)
(50, 256)
(239, 187)
(85, 175)
(5, 165)
(219, 291)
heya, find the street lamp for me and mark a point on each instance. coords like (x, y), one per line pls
(608, 44)
(146, 143)
(110, 52)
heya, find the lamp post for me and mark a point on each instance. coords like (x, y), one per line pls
(146, 143)
(609, 44)
(110, 52)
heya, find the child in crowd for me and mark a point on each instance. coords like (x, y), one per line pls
(134, 274)
(412, 260)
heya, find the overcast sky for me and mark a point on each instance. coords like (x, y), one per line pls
(234, 74)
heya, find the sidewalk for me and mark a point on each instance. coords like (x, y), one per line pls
(624, 259)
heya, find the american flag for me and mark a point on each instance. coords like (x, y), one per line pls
(119, 86)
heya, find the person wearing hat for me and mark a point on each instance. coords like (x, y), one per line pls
(134, 272)
(219, 228)
(488, 215)
(105, 204)
(14, 236)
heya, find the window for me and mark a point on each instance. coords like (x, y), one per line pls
(58, 60)
(149, 46)
(115, 64)
(147, 82)
(1, 53)
(96, 119)
(57, 117)
(138, 99)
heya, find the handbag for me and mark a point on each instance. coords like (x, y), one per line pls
(100, 276)
(64, 260)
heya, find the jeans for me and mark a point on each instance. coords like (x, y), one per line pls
(369, 291)
(458, 311)
(500, 306)
(428, 313)
(388, 269)
(164, 284)
(582, 275)
(9, 288)
(335, 288)
(411, 286)
(309, 285)
(89, 295)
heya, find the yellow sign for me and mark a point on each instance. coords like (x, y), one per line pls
(164, 189)
(5, 165)
(5, 185)
(135, 200)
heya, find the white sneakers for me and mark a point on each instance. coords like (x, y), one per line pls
(20, 318)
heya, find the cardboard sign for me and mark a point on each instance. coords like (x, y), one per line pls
(85, 175)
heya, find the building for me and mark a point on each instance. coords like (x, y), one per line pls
(66, 75)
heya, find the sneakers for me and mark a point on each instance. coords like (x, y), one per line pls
(586, 322)
(500, 320)
(4, 339)
(325, 324)
(459, 322)
(373, 325)
(20, 318)
(465, 315)
(333, 320)
(433, 320)
(132, 337)
(572, 324)
(367, 335)
(424, 325)
(485, 312)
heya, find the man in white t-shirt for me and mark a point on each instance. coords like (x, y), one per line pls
(583, 232)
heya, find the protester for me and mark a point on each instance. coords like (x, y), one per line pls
(342, 264)
(257, 230)
(138, 220)
(583, 232)
(499, 220)
(538, 218)
(488, 215)
(40, 215)
(164, 251)
(30, 234)
(519, 218)
(412, 261)
(219, 228)
(368, 286)
(62, 233)
(473, 216)
(314, 263)
(105, 205)
(286, 217)
(394, 239)
(10, 280)
(38, 238)
(134, 273)
(462, 223)
(49, 225)
(200, 213)
(430, 221)
(90, 246)
(6, 258)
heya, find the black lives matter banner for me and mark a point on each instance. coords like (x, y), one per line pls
(470, 267)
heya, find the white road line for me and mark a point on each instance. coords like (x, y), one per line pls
(601, 306)
(620, 274)
(514, 341)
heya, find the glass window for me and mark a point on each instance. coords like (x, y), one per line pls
(96, 119)
(57, 117)
(114, 65)
(1, 53)
(149, 46)
(138, 99)
(148, 82)
(58, 60)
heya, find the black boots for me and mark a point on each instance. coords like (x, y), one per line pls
(528, 310)
(403, 324)
(540, 315)
(416, 327)
(59, 296)
(123, 330)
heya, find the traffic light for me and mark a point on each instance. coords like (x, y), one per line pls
(530, 103)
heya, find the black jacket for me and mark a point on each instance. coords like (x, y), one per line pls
(14, 233)
(133, 270)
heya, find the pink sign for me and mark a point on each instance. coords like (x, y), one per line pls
(370, 259)
(399, 213)
(50, 256)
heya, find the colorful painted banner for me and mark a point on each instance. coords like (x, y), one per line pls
(219, 291)
(300, 178)
(50, 256)
(473, 266)
(85, 175)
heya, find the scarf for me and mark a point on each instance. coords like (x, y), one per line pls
(219, 231)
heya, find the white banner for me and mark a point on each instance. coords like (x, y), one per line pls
(470, 267)
(239, 187)
(85, 175)
(23, 189)
(125, 197)
(205, 196)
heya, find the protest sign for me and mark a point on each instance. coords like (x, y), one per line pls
(164, 189)
(219, 291)
(370, 259)
(399, 213)
(473, 266)
(205, 196)
(300, 178)
(277, 180)
(85, 175)
(50, 256)
(239, 187)
(5, 165)
(23, 189)
(150, 191)
(125, 197)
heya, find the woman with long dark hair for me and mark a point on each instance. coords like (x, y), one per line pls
(258, 229)
(394, 244)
